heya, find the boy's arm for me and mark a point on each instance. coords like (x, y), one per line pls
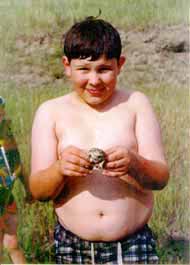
(148, 167)
(150, 174)
(45, 175)
(48, 173)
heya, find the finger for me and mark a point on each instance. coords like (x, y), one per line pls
(74, 167)
(113, 174)
(80, 153)
(114, 156)
(65, 165)
(120, 169)
(110, 150)
(73, 173)
(75, 151)
(78, 161)
(116, 164)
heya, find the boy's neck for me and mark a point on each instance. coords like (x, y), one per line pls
(106, 105)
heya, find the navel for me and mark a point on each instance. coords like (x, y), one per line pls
(101, 214)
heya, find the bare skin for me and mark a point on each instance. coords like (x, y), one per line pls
(98, 205)
(9, 241)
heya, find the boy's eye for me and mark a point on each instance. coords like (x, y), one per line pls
(83, 69)
(104, 69)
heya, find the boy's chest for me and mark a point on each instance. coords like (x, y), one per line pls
(102, 131)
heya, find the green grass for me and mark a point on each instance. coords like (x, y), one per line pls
(20, 17)
(171, 212)
(32, 15)
(26, 19)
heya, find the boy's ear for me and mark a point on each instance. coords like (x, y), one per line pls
(121, 62)
(67, 66)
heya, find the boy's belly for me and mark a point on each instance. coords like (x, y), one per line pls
(99, 208)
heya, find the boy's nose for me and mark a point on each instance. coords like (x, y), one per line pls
(94, 79)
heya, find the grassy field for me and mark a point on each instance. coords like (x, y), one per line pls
(170, 220)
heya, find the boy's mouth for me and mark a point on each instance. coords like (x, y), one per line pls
(94, 92)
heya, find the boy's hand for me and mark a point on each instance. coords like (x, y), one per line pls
(74, 162)
(118, 161)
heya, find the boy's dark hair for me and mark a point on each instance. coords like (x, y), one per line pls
(93, 38)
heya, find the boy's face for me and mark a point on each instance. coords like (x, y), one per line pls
(93, 81)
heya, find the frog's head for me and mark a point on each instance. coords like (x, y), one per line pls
(96, 157)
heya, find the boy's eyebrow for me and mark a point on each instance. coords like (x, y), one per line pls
(82, 64)
(88, 64)
(105, 65)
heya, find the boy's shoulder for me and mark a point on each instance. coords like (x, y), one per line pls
(54, 104)
(135, 100)
(133, 96)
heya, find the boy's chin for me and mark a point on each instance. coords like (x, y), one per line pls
(95, 101)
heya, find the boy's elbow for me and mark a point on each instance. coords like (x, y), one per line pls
(39, 196)
(35, 194)
(162, 183)
(36, 191)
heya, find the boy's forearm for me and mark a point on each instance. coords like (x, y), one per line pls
(46, 184)
(149, 174)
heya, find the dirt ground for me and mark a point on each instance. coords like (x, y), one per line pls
(157, 55)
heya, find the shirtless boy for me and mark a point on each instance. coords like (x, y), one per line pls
(102, 213)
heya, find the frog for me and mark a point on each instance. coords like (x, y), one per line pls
(97, 158)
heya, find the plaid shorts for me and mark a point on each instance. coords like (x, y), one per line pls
(137, 248)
